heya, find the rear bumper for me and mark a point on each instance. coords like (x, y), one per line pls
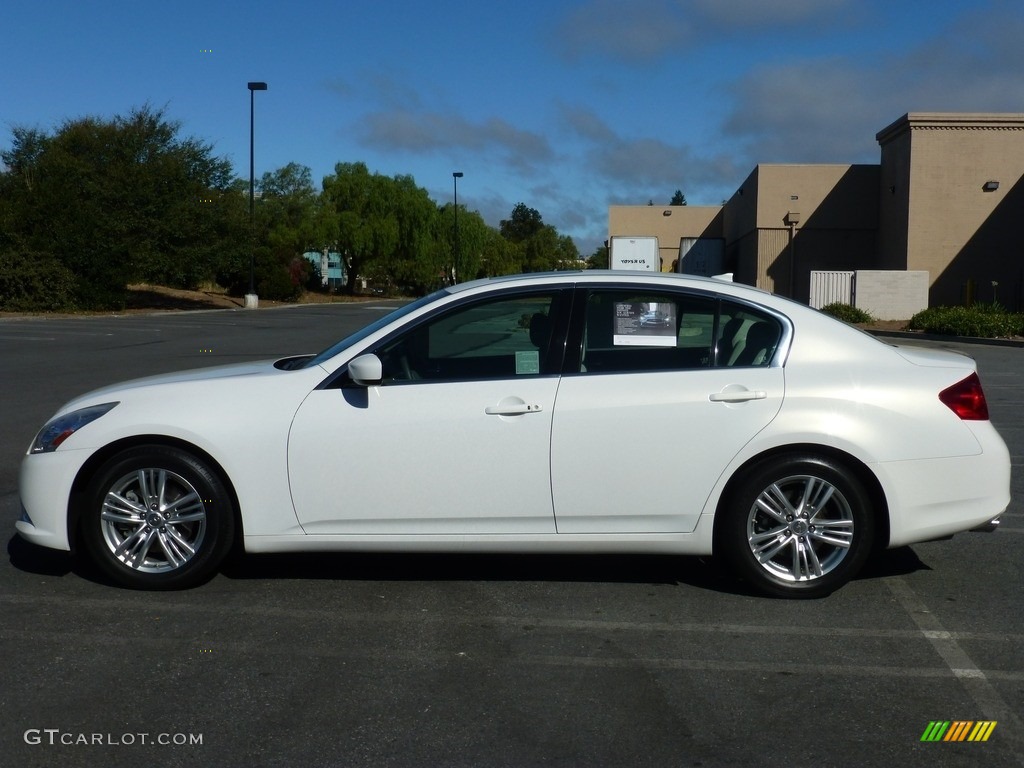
(935, 498)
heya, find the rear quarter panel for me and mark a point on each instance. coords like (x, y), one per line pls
(850, 391)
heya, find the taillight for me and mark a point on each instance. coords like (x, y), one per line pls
(966, 399)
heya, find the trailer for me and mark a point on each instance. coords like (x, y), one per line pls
(703, 256)
(634, 253)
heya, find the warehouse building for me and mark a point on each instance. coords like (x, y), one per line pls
(945, 202)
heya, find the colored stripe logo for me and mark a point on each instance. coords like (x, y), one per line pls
(958, 730)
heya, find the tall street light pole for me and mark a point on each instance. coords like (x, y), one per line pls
(456, 175)
(251, 300)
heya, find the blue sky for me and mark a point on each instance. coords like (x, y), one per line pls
(566, 105)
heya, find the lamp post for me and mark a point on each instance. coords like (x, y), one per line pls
(251, 299)
(456, 175)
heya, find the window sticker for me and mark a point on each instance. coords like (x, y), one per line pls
(645, 324)
(527, 362)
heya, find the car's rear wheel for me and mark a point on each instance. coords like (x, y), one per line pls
(157, 517)
(797, 526)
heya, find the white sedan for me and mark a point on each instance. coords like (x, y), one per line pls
(535, 413)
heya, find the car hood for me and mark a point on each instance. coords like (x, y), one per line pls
(233, 370)
(936, 358)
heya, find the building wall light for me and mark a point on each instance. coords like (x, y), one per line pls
(990, 186)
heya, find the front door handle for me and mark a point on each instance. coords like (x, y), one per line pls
(513, 409)
(738, 396)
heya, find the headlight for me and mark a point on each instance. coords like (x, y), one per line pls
(61, 428)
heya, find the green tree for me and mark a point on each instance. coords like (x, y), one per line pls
(417, 254)
(386, 227)
(293, 211)
(678, 198)
(286, 228)
(234, 234)
(498, 256)
(599, 258)
(524, 223)
(351, 195)
(116, 201)
(291, 218)
(476, 243)
(22, 159)
(537, 246)
(568, 253)
(541, 251)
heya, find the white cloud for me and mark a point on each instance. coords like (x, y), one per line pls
(761, 13)
(641, 167)
(634, 32)
(829, 110)
(425, 132)
(641, 31)
(795, 98)
(810, 111)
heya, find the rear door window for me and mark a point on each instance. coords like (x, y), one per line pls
(652, 331)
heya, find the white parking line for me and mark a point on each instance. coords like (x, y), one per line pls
(990, 704)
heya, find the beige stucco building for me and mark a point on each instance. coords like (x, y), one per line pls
(947, 198)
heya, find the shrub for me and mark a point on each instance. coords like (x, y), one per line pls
(847, 313)
(274, 281)
(981, 320)
(31, 281)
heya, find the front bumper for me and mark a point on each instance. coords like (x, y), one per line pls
(44, 484)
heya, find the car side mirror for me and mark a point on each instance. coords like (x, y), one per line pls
(366, 370)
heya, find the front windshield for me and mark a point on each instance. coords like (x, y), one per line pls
(372, 328)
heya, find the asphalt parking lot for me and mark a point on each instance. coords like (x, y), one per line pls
(385, 660)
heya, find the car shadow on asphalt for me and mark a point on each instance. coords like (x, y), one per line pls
(703, 573)
(900, 561)
(40, 561)
(626, 569)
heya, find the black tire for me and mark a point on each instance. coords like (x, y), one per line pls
(797, 526)
(157, 517)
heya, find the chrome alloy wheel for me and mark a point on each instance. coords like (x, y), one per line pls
(153, 520)
(800, 528)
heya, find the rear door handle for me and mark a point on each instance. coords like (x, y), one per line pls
(738, 396)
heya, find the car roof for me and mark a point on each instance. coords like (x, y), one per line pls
(612, 275)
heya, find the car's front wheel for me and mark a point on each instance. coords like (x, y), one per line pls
(157, 517)
(797, 526)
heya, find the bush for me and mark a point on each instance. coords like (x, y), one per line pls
(35, 282)
(274, 280)
(847, 313)
(981, 320)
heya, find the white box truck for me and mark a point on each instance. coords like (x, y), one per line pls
(634, 253)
